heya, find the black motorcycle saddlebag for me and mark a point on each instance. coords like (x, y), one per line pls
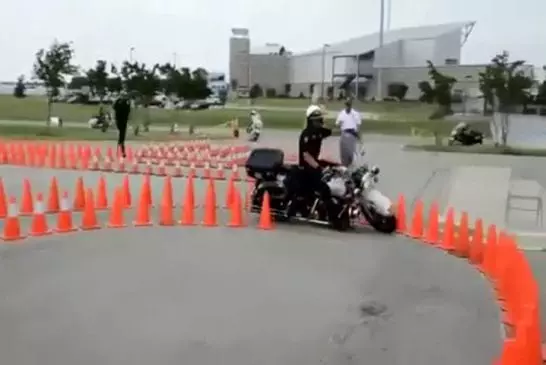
(264, 163)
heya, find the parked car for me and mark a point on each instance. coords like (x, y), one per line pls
(200, 105)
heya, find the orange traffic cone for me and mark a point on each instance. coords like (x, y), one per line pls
(79, 195)
(116, 219)
(147, 187)
(167, 197)
(265, 222)
(64, 217)
(166, 208)
(230, 192)
(89, 217)
(462, 245)
(53, 202)
(488, 263)
(417, 221)
(3, 200)
(127, 199)
(27, 203)
(102, 195)
(209, 219)
(39, 221)
(476, 246)
(143, 210)
(248, 196)
(511, 353)
(236, 210)
(401, 214)
(432, 233)
(12, 226)
(188, 205)
(448, 236)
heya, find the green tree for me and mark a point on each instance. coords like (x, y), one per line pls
(442, 86)
(504, 84)
(51, 67)
(255, 92)
(397, 90)
(427, 92)
(287, 89)
(541, 94)
(98, 79)
(143, 83)
(505, 87)
(20, 88)
(78, 82)
(199, 84)
(114, 84)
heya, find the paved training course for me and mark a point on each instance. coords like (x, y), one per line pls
(293, 295)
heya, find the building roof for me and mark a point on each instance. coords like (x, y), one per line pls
(267, 49)
(370, 42)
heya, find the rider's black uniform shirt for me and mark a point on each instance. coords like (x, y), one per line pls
(311, 142)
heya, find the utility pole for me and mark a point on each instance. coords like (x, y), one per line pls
(323, 71)
(379, 50)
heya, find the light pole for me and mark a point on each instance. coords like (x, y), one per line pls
(323, 71)
(131, 51)
(379, 51)
(175, 59)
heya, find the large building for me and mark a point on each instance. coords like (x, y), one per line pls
(358, 65)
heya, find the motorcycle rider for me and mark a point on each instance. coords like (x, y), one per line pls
(255, 121)
(310, 143)
(255, 125)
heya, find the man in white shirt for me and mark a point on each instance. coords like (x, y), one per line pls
(348, 120)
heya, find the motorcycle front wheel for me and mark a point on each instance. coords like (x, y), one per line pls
(381, 223)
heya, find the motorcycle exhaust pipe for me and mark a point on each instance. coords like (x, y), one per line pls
(314, 221)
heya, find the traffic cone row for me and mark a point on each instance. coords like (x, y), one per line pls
(86, 203)
(83, 157)
(496, 254)
(53, 201)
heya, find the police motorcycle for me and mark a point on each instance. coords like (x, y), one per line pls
(254, 128)
(463, 135)
(353, 191)
(100, 121)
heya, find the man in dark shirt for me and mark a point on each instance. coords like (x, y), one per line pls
(122, 110)
(310, 144)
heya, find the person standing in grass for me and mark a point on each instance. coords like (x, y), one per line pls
(122, 110)
(348, 120)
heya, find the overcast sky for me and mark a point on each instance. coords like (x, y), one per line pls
(198, 31)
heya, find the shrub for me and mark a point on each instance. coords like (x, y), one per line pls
(397, 90)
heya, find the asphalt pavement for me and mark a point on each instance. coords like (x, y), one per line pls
(294, 295)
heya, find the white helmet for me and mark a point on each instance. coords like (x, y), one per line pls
(312, 109)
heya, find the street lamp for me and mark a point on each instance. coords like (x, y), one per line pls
(323, 71)
(175, 59)
(131, 51)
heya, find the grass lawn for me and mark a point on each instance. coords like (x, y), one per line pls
(397, 118)
(480, 149)
(403, 111)
(38, 132)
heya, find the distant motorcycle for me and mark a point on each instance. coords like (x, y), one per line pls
(254, 129)
(101, 121)
(463, 135)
